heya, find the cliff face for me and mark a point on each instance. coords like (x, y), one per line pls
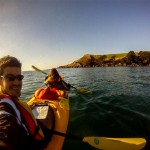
(132, 58)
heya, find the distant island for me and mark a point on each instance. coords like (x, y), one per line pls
(132, 58)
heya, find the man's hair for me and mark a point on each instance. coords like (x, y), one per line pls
(8, 61)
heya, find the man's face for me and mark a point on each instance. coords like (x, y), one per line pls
(9, 85)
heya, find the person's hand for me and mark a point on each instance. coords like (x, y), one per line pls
(69, 86)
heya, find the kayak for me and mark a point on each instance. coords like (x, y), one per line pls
(60, 108)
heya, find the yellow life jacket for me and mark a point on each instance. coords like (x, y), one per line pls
(28, 117)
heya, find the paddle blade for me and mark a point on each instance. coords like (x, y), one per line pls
(37, 69)
(116, 143)
(82, 90)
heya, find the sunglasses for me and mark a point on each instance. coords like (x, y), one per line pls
(11, 77)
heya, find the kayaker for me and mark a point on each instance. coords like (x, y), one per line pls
(54, 80)
(19, 129)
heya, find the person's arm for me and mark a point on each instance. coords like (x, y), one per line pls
(8, 132)
(67, 86)
(11, 135)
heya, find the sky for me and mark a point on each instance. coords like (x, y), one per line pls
(53, 33)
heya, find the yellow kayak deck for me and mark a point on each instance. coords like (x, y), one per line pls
(61, 111)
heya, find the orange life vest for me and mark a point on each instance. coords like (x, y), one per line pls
(47, 93)
(28, 118)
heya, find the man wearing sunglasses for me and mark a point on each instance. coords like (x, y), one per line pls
(18, 127)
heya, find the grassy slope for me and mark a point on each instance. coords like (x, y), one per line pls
(86, 57)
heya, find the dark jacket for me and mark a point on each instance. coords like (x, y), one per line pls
(13, 133)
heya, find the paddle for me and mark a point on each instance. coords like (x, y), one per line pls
(79, 90)
(82, 90)
(37, 69)
(106, 143)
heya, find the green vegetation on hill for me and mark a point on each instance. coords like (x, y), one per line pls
(132, 58)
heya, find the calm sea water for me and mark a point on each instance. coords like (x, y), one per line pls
(118, 107)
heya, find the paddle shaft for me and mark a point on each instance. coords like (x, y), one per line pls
(73, 87)
(35, 68)
(70, 136)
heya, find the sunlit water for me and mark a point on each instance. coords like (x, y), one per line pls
(118, 107)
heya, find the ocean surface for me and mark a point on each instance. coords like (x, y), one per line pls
(119, 105)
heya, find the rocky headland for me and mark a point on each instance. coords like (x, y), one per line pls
(132, 58)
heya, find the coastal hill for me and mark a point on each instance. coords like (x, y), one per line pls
(132, 58)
